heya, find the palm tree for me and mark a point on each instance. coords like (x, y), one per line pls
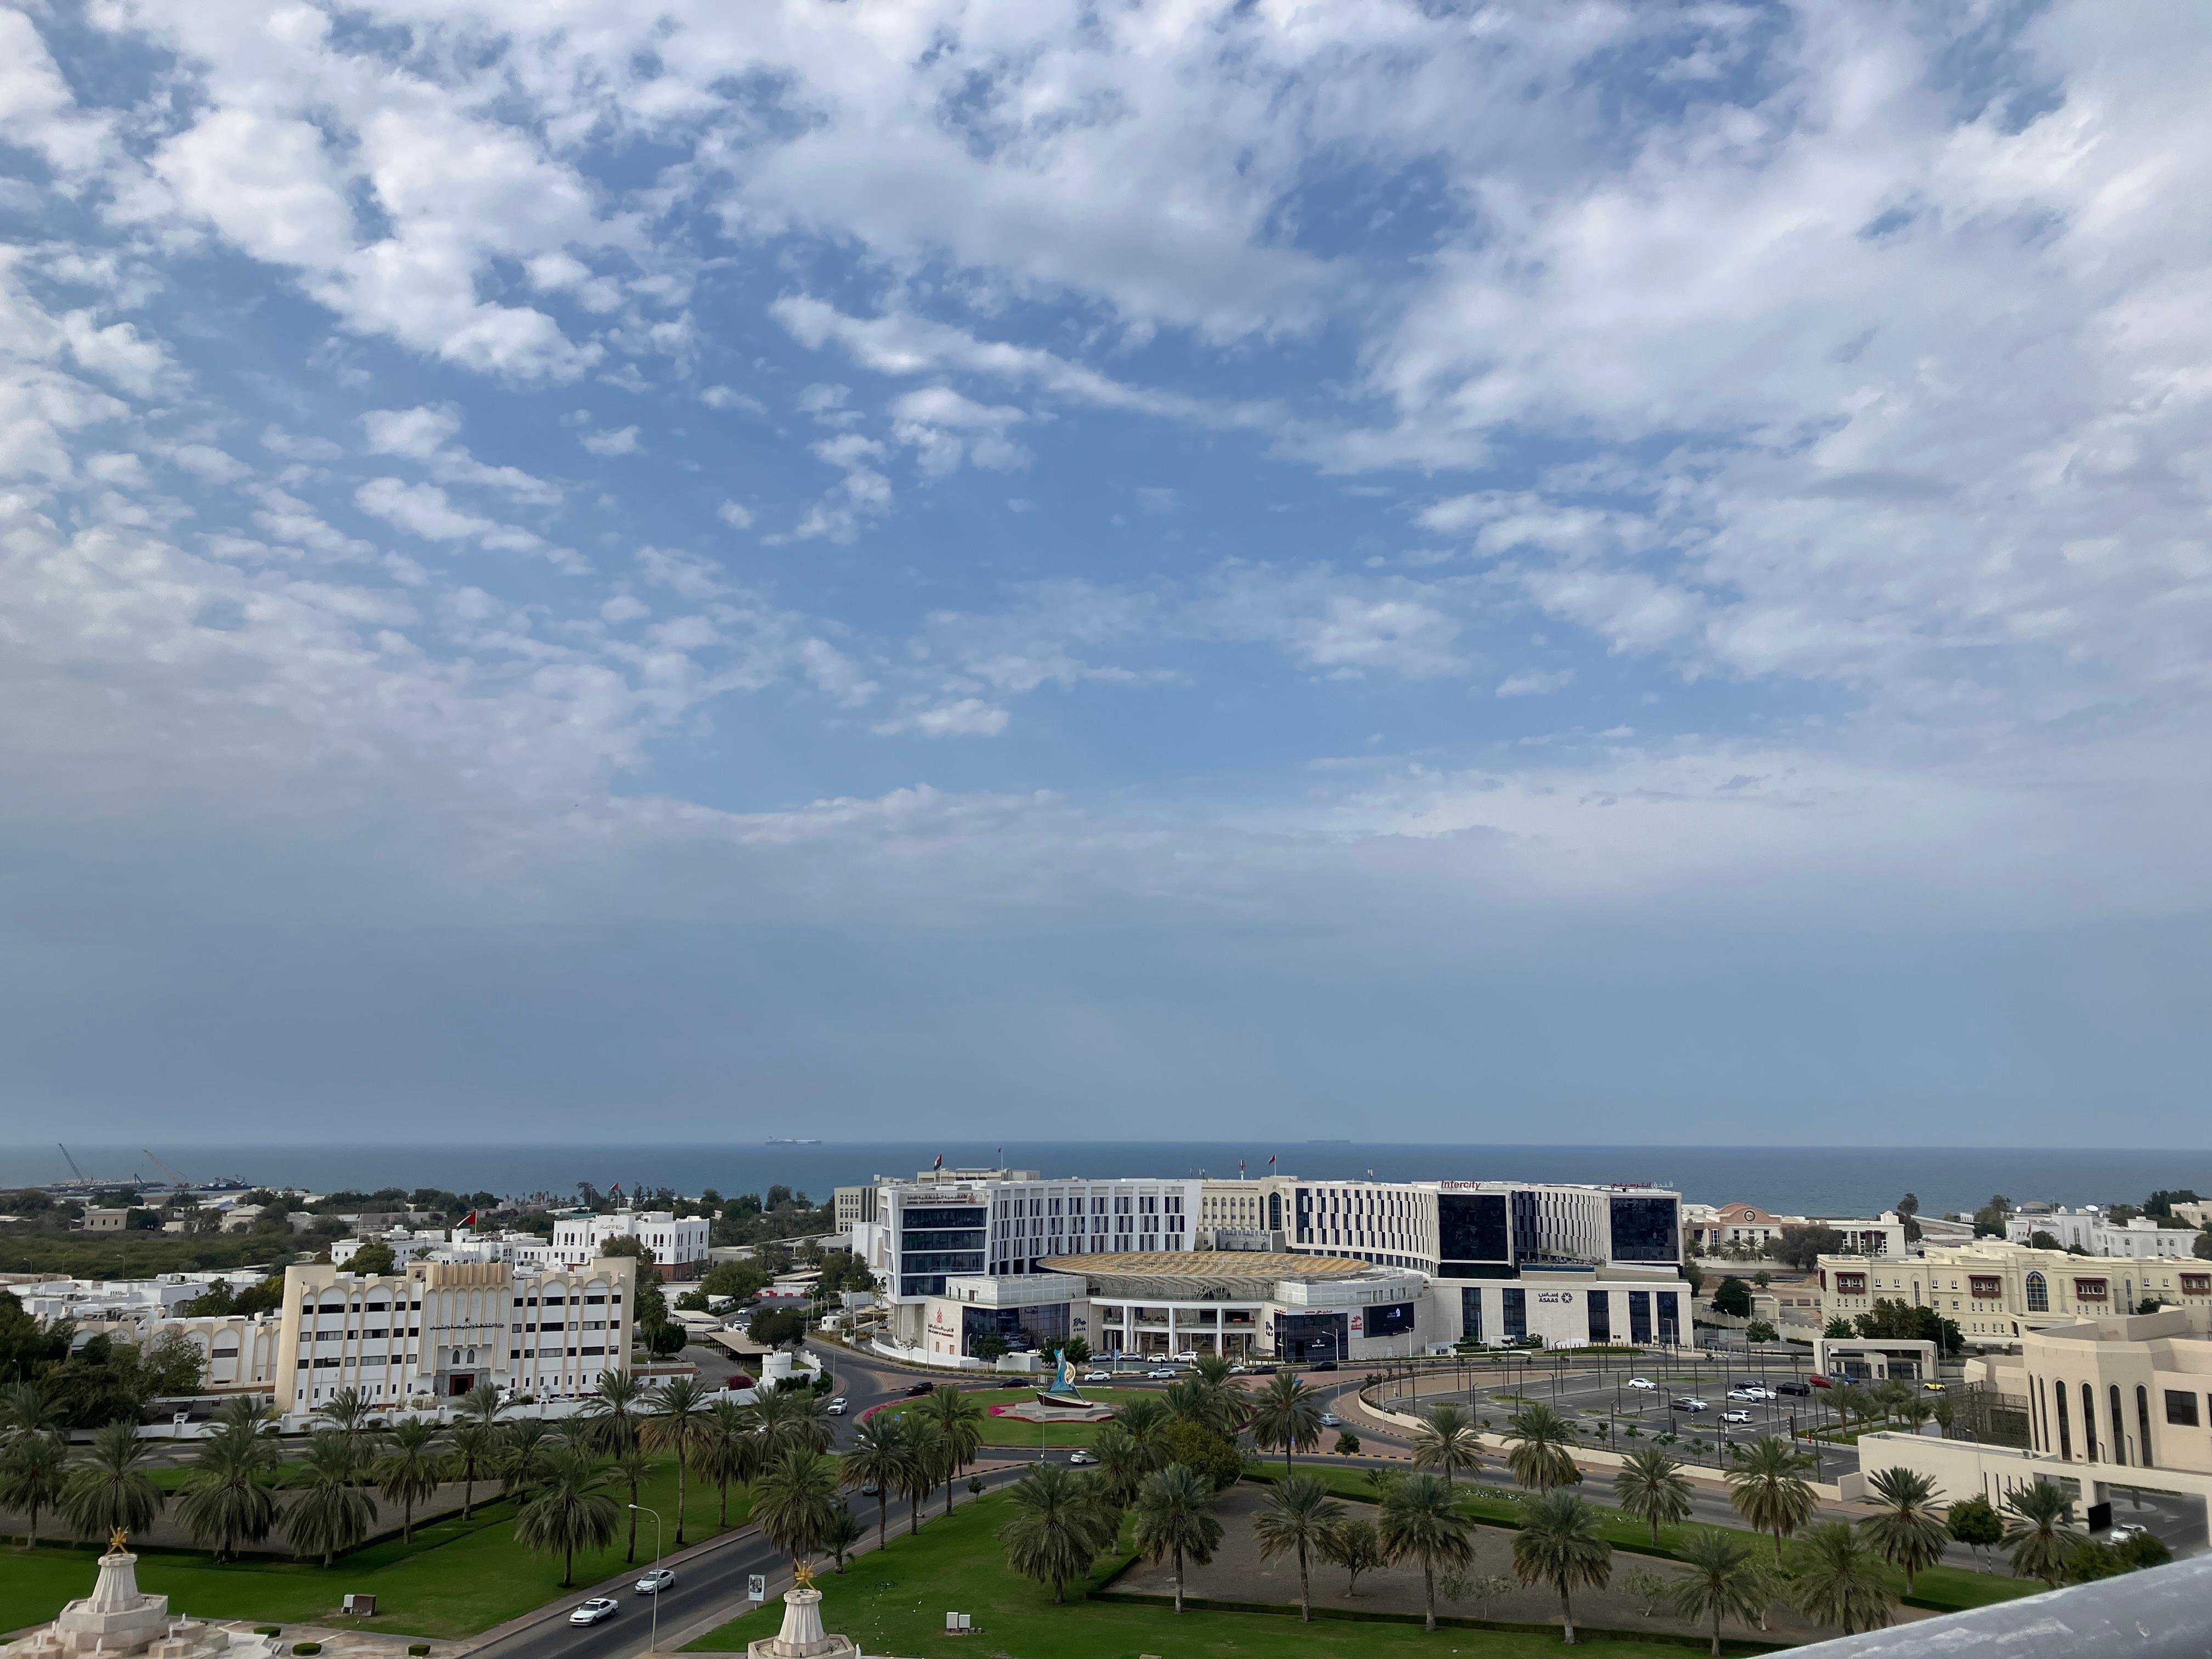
(1123, 1463)
(109, 1490)
(677, 1423)
(1652, 1487)
(526, 1444)
(1287, 1415)
(482, 1404)
(1296, 1518)
(226, 1500)
(1213, 1367)
(1538, 1456)
(2038, 1530)
(1909, 1533)
(1767, 1489)
(349, 1413)
(568, 1512)
(1062, 1522)
(247, 1413)
(26, 1408)
(474, 1446)
(1558, 1544)
(1420, 1520)
(877, 1459)
(1447, 1441)
(332, 1513)
(1838, 1580)
(632, 1465)
(1724, 1581)
(727, 1450)
(958, 1422)
(33, 1471)
(1213, 1406)
(793, 1500)
(1353, 1545)
(410, 1469)
(791, 1420)
(918, 1474)
(846, 1529)
(1175, 1518)
(614, 1411)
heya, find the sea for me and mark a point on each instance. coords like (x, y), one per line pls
(1794, 1179)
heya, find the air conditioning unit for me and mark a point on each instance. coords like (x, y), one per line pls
(362, 1606)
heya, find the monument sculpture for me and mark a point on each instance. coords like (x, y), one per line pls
(118, 1621)
(802, 1636)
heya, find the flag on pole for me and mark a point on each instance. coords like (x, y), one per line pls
(1239, 1169)
(470, 1219)
(940, 1162)
(1270, 1160)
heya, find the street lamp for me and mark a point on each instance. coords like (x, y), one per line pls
(654, 1642)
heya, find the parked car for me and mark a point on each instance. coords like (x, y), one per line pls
(1736, 1417)
(1080, 1457)
(1188, 1357)
(1688, 1402)
(1239, 1370)
(1098, 1376)
(874, 1489)
(1793, 1387)
(598, 1607)
(2125, 1530)
(1644, 1382)
(655, 1582)
(836, 1407)
(1331, 1420)
(1260, 1371)
(1932, 1388)
(1819, 1381)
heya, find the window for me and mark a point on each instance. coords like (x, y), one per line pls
(2088, 1423)
(1516, 1313)
(2065, 1428)
(2088, 1290)
(1470, 1320)
(2119, 1426)
(1600, 1316)
(1985, 1287)
(2181, 1408)
(2142, 1426)
(1850, 1284)
(2039, 1301)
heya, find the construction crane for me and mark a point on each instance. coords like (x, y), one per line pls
(83, 1178)
(177, 1181)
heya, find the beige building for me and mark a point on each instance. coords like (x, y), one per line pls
(1707, 1228)
(2128, 1390)
(1232, 1215)
(1998, 1292)
(105, 1221)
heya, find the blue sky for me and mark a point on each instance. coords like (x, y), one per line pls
(795, 566)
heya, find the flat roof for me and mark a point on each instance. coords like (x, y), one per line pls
(1233, 1264)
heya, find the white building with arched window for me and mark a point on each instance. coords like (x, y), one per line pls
(1998, 1292)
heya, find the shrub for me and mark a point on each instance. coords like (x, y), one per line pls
(417, 1649)
(269, 1630)
(305, 1648)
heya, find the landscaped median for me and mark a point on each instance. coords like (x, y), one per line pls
(895, 1600)
(457, 1578)
(1013, 1431)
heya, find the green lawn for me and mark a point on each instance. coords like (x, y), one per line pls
(1949, 1588)
(1012, 1431)
(895, 1601)
(455, 1579)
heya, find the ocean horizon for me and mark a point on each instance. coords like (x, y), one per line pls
(1799, 1180)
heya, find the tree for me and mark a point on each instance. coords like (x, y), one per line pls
(2202, 1246)
(527, 1444)
(1447, 1440)
(1761, 1330)
(1768, 1490)
(878, 1458)
(1296, 1516)
(2145, 1549)
(1733, 1298)
(615, 1411)
(110, 1489)
(1076, 1351)
(413, 1466)
(918, 1474)
(727, 1450)
(1974, 1522)
(1839, 1581)
(2039, 1531)
(1347, 1443)
(989, 1346)
(332, 1513)
(171, 1365)
(1838, 1328)
(569, 1511)
(372, 1260)
(1060, 1523)
(33, 1471)
(1989, 1220)
(1724, 1580)
(632, 1465)
(1652, 1487)
(1539, 1439)
(774, 1326)
(350, 1414)
(1908, 1531)
(473, 1444)
(957, 1422)
(1174, 1520)
(677, 1422)
(1558, 1544)
(1908, 1212)
(1286, 1417)
(793, 1500)
(2042, 1239)
(1123, 1463)
(1801, 1247)
(226, 1500)
(740, 1280)
(1207, 1402)
(845, 1531)
(1353, 1545)
(2090, 1560)
(1418, 1520)
(1199, 1448)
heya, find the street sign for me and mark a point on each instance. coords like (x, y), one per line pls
(757, 1587)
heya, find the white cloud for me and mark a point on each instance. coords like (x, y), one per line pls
(619, 440)
(735, 514)
(421, 510)
(1535, 682)
(970, 717)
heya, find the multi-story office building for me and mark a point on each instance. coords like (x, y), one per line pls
(678, 1245)
(1998, 1292)
(925, 1232)
(2088, 1228)
(1710, 1229)
(1232, 1215)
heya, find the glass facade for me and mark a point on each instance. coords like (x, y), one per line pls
(1043, 1326)
(1646, 1229)
(1301, 1338)
(1470, 1313)
(1600, 1316)
(1639, 1315)
(1391, 1319)
(1670, 1317)
(1516, 1322)
(1471, 1227)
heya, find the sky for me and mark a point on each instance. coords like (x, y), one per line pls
(1520, 572)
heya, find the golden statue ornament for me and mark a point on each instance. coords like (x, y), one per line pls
(802, 1575)
(116, 1540)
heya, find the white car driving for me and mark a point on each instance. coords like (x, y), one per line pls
(1736, 1417)
(1644, 1383)
(1098, 1376)
(1079, 1458)
(598, 1607)
(655, 1582)
(1159, 1373)
(836, 1407)
(1331, 1420)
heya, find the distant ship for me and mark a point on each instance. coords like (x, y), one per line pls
(792, 1141)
